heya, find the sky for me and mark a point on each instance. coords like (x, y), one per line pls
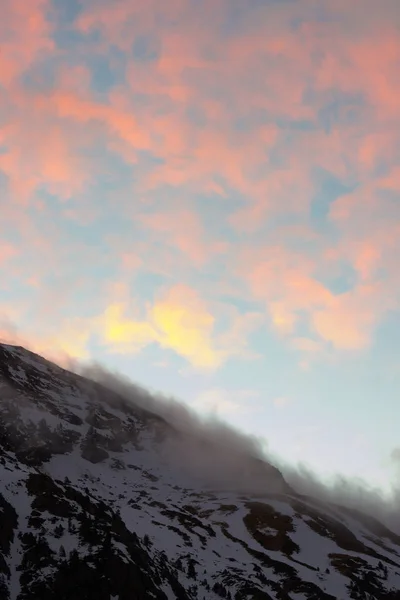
(204, 195)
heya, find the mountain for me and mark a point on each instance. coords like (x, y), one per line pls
(101, 499)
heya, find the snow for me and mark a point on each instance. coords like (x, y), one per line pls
(15, 493)
(149, 485)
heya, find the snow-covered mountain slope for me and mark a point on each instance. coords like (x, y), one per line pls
(96, 504)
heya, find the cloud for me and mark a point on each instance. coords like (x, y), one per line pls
(26, 36)
(183, 230)
(67, 345)
(395, 455)
(39, 154)
(224, 458)
(281, 402)
(348, 321)
(189, 144)
(178, 320)
(295, 284)
(201, 447)
(306, 345)
(7, 252)
(225, 403)
(183, 175)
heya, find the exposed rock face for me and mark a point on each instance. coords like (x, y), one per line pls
(95, 505)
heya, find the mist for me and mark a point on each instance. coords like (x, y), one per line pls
(204, 449)
(213, 451)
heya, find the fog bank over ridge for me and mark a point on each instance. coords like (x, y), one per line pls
(223, 454)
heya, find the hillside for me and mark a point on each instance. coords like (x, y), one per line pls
(101, 499)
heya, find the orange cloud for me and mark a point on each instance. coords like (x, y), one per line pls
(178, 321)
(283, 319)
(187, 327)
(70, 340)
(121, 332)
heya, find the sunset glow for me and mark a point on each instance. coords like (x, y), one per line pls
(206, 197)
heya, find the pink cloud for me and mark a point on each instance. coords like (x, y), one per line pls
(25, 35)
(70, 341)
(240, 117)
(288, 285)
(196, 155)
(183, 230)
(67, 105)
(40, 156)
(349, 320)
(7, 251)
